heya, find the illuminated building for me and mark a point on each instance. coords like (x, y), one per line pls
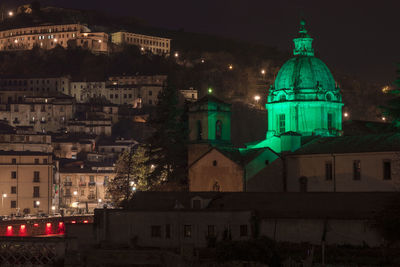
(156, 45)
(49, 36)
(84, 186)
(26, 179)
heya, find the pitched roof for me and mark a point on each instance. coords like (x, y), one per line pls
(210, 98)
(352, 144)
(347, 205)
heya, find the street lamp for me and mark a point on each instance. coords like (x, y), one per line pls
(10, 13)
(210, 90)
(176, 54)
(262, 71)
(230, 67)
(37, 205)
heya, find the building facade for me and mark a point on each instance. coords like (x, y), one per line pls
(27, 181)
(156, 45)
(41, 114)
(49, 36)
(83, 187)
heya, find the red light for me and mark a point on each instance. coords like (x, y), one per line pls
(85, 221)
(48, 228)
(35, 225)
(60, 224)
(22, 229)
(73, 222)
(61, 228)
(9, 230)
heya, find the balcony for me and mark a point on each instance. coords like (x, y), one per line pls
(67, 183)
(92, 183)
(82, 183)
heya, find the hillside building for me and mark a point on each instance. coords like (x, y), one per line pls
(153, 44)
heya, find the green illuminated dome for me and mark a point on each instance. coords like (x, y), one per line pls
(304, 72)
(305, 98)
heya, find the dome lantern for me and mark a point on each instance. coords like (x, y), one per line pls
(303, 43)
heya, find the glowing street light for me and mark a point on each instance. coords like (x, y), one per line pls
(230, 67)
(257, 98)
(10, 13)
(262, 71)
(210, 90)
(15, 41)
(100, 41)
(53, 208)
(202, 60)
(75, 193)
(55, 40)
(346, 114)
(176, 54)
(100, 200)
(384, 118)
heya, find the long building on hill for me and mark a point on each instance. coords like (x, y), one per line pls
(49, 36)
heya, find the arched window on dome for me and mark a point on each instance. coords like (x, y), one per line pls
(218, 130)
(328, 97)
(199, 130)
(282, 97)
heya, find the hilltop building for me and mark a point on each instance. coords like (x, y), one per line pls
(49, 36)
(153, 44)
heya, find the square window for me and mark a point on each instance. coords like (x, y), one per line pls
(211, 230)
(187, 230)
(328, 171)
(243, 230)
(155, 231)
(356, 170)
(387, 170)
(167, 231)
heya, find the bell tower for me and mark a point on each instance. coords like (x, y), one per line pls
(209, 125)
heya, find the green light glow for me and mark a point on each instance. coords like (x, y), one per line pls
(210, 90)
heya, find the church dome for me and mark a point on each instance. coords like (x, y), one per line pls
(304, 71)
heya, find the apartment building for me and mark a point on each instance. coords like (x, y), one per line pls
(156, 45)
(69, 145)
(41, 114)
(83, 186)
(49, 36)
(83, 91)
(25, 142)
(90, 126)
(26, 182)
(38, 85)
(190, 94)
(135, 90)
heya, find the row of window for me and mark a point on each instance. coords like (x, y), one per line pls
(156, 231)
(92, 194)
(13, 203)
(8, 33)
(147, 42)
(36, 161)
(36, 176)
(386, 170)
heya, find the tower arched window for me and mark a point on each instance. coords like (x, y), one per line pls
(218, 130)
(199, 130)
(282, 97)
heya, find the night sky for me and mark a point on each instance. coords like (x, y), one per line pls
(356, 37)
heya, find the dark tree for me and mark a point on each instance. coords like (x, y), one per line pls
(168, 150)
